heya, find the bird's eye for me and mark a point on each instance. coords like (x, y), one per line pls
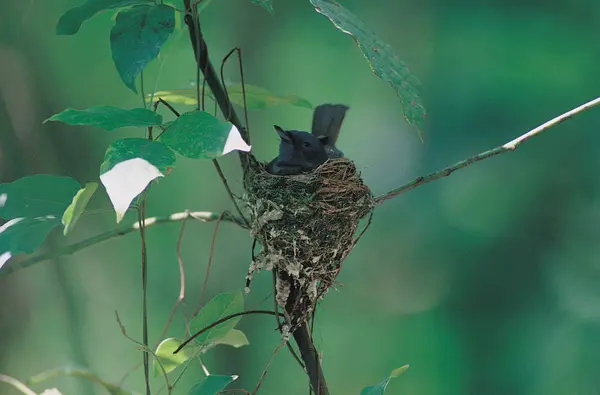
(306, 144)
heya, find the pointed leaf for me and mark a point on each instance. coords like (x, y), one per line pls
(108, 117)
(36, 196)
(24, 235)
(198, 134)
(212, 385)
(170, 361)
(381, 58)
(77, 206)
(129, 166)
(219, 307)
(137, 36)
(71, 21)
(266, 4)
(257, 98)
(380, 388)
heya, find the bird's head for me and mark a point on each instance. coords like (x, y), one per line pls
(303, 146)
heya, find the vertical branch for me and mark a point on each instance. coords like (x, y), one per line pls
(141, 222)
(202, 59)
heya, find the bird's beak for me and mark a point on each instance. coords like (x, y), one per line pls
(284, 135)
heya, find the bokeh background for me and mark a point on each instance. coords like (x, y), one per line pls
(487, 282)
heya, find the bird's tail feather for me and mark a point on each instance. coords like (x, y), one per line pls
(327, 121)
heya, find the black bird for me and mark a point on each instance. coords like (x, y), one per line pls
(298, 152)
(301, 151)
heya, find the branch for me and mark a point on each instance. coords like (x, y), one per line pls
(17, 384)
(510, 146)
(220, 321)
(212, 79)
(203, 216)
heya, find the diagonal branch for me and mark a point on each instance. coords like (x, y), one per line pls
(203, 216)
(510, 146)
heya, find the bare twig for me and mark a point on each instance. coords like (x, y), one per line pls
(212, 79)
(266, 369)
(202, 216)
(510, 146)
(146, 351)
(280, 325)
(220, 321)
(229, 192)
(181, 296)
(233, 391)
(17, 384)
(141, 216)
(210, 259)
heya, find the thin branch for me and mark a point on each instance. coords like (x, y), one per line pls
(17, 384)
(141, 217)
(510, 146)
(203, 216)
(280, 325)
(181, 296)
(210, 259)
(227, 318)
(166, 104)
(202, 59)
(266, 369)
(146, 351)
(229, 192)
(311, 359)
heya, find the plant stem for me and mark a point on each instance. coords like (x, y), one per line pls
(203, 216)
(510, 146)
(141, 225)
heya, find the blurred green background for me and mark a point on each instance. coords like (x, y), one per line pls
(485, 282)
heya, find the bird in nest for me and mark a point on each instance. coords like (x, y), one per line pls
(301, 152)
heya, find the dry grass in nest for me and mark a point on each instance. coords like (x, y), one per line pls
(307, 226)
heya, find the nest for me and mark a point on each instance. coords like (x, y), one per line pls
(307, 226)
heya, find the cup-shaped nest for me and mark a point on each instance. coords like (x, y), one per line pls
(307, 225)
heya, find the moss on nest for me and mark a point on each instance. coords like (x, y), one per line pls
(307, 225)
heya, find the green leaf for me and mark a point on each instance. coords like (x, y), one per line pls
(129, 166)
(234, 338)
(37, 196)
(77, 206)
(108, 117)
(219, 307)
(197, 134)
(212, 385)
(71, 21)
(257, 98)
(24, 235)
(381, 58)
(380, 388)
(165, 355)
(266, 4)
(137, 36)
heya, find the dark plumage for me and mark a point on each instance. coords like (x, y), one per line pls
(327, 122)
(301, 151)
(298, 152)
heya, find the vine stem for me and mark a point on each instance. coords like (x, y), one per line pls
(144, 257)
(507, 147)
(202, 216)
(17, 384)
